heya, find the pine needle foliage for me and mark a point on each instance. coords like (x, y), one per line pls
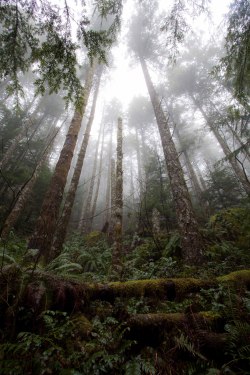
(37, 35)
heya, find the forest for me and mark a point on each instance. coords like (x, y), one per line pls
(125, 187)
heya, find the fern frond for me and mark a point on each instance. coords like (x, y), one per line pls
(184, 344)
(69, 267)
(147, 367)
(133, 367)
(245, 351)
(5, 258)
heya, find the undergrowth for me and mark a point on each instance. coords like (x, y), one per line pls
(49, 334)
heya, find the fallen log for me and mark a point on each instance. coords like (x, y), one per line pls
(205, 329)
(48, 291)
(172, 289)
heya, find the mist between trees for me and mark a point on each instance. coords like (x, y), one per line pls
(187, 133)
(127, 123)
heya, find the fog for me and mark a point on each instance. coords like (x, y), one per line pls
(200, 112)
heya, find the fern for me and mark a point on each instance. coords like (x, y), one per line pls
(147, 367)
(5, 258)
(139, 366)
(172, 246)
(133, 367)
(184, 344)
(69, 267)
(239, 339)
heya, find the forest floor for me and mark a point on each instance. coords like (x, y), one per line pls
(161, 317)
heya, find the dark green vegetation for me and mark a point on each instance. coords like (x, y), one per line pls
(124, 244)
(68, 318)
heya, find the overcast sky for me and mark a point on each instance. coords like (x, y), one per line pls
(126, 79)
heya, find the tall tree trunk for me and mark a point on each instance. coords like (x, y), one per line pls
(61, 230)
(132, 186)
(99, 174)
(234, 164)
(112, 198)
(108, 188)
(85, 217)
(139, 163)
(192, 243)
(117, 246)
(156, 223)
(47, 221)
(191, 171)
(201, 179)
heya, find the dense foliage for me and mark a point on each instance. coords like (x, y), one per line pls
(38, 35)
(55, 321)
(124, 227)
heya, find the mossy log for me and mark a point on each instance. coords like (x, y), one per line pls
(47, 291)
(172, 289)
(171, 320)
(204, 327)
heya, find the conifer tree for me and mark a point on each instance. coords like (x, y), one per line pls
(143, 44)
(47, 221)
(61, 229)
(118, 211)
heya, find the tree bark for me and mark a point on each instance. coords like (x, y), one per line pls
(108, 188)
(61, 230)
(192, 243)
(47, 221)
(201, 179)
(139, 163)
(112, 198)
(85, 217)
(99, 175)
(117, 246)
(194, 180)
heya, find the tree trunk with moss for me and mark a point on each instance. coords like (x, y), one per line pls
(118, 212)
(192, 243)
(231, 159)
(47, 220)
(61, 230)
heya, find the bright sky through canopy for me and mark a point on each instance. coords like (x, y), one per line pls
(126, 79)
